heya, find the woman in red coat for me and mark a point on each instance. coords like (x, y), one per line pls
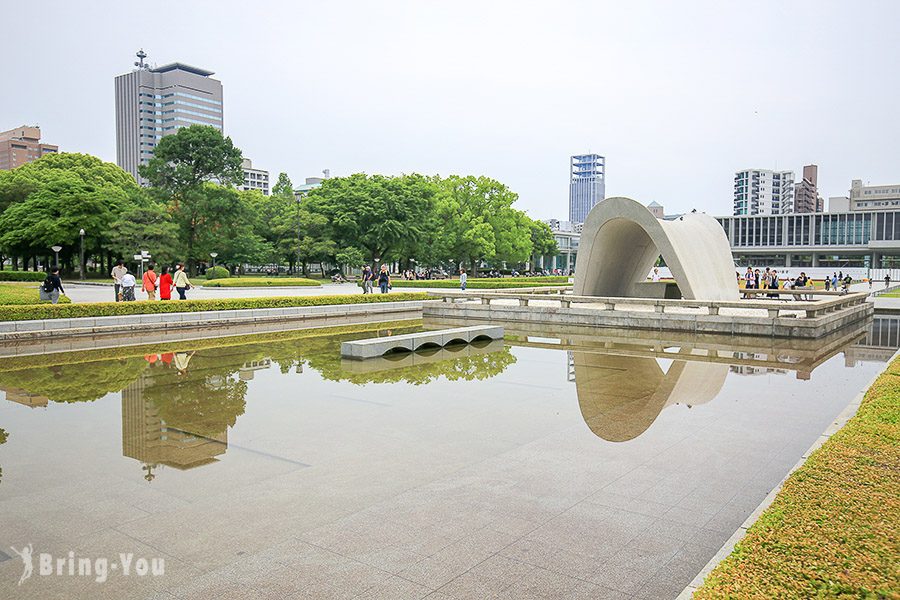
(165, 285)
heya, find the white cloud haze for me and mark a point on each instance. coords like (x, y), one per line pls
(676, 95)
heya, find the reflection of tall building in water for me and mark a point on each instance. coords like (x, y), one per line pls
(245, 373)
(25, 398)
(879, 344)
(148, 439)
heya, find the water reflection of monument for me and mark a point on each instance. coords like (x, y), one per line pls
(621, 396)
(622, 385)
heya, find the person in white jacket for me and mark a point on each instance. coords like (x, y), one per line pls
(181, 281)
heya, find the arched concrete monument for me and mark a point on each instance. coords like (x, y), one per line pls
(621, 239)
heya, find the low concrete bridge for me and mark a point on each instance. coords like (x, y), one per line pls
(371, 348)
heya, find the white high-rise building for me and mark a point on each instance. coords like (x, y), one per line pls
(152, 102)
(254, 179)
(763, 192)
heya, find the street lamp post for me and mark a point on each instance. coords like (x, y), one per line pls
(81, 264)
(56, 250)
(214, 255)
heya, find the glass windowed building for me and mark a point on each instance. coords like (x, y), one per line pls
(852, 239)
(154, 102)
(587, 185)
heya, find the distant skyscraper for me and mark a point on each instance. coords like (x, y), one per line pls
(22, 145)
(154, 102)
(763, 192)
(806, 192)
(587, 185)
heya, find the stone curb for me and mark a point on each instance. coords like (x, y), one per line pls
(79, 326)
(835, 426)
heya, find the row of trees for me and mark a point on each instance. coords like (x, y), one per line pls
(191, 208)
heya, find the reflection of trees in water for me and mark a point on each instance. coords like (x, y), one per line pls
(205, 395)
(202, 397)
(82, 382)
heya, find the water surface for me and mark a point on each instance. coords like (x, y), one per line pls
(554, 465)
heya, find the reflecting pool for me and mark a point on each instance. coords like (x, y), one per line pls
(550, 464)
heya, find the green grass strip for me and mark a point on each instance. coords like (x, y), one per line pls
(107, 309)
(261, 282)
(833, 530)
(23, 293)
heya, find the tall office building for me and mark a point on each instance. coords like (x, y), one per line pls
(22, 145)
(806, 192)
(152, 102)
(587, 185)
(763, 192)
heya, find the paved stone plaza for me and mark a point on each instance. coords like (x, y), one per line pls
(483, 482)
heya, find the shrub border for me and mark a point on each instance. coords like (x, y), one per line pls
(30, 312)
(705, 582)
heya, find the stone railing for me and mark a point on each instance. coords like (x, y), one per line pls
(833, 301)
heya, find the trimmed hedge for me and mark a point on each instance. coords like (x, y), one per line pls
(24, 293)
(480, 283)
(22, 275)
(261, 282)
(217, 273)
(832, 531)
(108, 309)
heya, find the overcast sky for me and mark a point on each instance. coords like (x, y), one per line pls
(676, 95)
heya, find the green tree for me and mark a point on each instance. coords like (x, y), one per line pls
(378, 214)
(283, 187)
(182, 168)
(144, 224)
(542, 241)
(49, 200)
(349, 258)
(192, 156)
(478, 222)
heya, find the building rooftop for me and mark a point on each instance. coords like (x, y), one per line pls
(175, 66)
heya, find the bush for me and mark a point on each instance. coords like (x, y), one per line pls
(262, 282)
(217, 273)
(23, 293)
(22, 275)
(108, 309)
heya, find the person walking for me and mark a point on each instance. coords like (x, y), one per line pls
(384, 279)
(367, 280)
(52, 286)
(463, 278)
(128, 283)
(887, 280)
(165, 284)
(181, 281)
(827, 283)
(149, 282)
(117, 273)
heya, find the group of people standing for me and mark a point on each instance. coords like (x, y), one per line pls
(151, 283)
